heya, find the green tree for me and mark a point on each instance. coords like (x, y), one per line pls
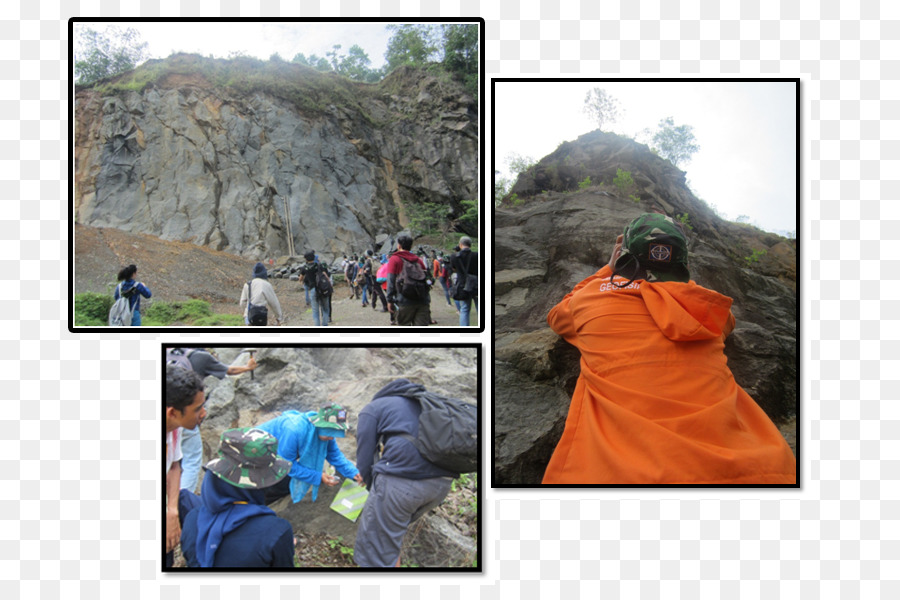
(410, 44)
(107, 53)
(677, 144)
(319, 63)
(355, 65)
(601, 107)
(518, 164)
(461, 53)
(502, 186)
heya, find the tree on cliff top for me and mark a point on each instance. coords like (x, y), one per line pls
(102, 55)
(454, 47)
(677, 144)
(601, 107)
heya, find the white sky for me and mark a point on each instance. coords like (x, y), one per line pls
(747, 133)
(261, 40)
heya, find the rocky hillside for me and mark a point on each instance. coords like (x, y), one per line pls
(304, 379)
(553, 233)
(266, 159)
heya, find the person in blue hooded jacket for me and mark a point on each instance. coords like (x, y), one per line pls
(133, 290)
(307, 440)
(403, 486)
(232, 527)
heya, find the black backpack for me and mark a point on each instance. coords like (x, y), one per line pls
(448, 432)
(412, 282)
(257, 314)
(323, 283)
(466, 283)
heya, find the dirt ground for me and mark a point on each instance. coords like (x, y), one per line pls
(178, 271)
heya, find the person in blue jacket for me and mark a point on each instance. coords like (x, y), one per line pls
(307, 440)
(133, 290)
(403, 486)
(232, 526)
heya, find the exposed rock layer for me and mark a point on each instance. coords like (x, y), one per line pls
(245, 171)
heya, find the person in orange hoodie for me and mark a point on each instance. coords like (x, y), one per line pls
(656, 402)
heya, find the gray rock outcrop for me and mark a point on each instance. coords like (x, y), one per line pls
(561, 234)
(306, 161)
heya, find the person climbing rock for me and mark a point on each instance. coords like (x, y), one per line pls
(655, 402)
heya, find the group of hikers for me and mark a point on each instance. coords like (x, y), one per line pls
(229, 524)
(402, 281)
(370, 280)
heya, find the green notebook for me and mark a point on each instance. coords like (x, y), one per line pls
(350, 499)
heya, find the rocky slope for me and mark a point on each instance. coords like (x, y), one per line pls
(304, 379)
(259, 159)
(561, 234)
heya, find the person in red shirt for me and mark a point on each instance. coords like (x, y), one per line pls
(410, 311)
(655, 402)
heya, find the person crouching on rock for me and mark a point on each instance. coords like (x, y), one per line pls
(133, 290)
(655, 402)
(258, 297)
(307, 440)
(232, 526)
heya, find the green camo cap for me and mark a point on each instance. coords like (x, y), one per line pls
(323, 419)
(658, 244)
(248, 458)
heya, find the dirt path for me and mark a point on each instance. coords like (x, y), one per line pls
(347, 312)
(178, 271)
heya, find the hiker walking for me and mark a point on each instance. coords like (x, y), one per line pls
(133, 290)
(408, 287)
(465, 264)
(258, 297)
(319, 298)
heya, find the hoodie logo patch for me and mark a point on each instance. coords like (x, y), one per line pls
(660, 252)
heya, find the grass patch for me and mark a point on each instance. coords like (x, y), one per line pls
(92, 310)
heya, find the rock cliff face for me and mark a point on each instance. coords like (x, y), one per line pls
(559, 235)
(303, 161)
(304, 379)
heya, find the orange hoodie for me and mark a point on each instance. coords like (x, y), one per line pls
(656, 402)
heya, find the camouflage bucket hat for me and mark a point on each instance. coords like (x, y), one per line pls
(248, 458)
(658, 245)
(323, 419)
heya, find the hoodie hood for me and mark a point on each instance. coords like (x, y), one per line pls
(406, 255)
(686, 312)
(399, 387)
(223, 508)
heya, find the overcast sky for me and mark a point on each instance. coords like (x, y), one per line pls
(261, 40)
(746, 131)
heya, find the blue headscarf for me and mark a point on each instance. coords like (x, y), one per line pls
(221, 514)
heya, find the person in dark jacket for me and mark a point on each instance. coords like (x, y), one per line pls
(409, 312)
(321, 305)
(403, 486)
(465, 265)
(233, 527)
(133, 290)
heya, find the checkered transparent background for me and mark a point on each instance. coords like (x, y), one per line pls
(79, 507)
